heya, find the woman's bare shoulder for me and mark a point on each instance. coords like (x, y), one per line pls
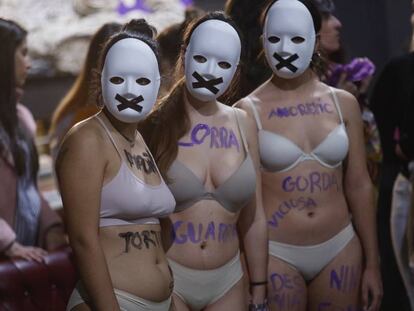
(84, 140)
(88, 131)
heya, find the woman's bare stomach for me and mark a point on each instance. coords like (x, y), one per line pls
(304, 207)
(202, 237)
(136, 260)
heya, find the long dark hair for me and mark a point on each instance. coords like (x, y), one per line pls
(13, 135)
(246, 14)
(170, 41)
(169, 120)
(79, 96)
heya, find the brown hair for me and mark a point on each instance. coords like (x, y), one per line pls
(13, 136)
(79, 98)
(169, 120)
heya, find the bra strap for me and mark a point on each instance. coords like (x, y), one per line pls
(241, 130)
(255, 113)
(109, 135)
(335, 100)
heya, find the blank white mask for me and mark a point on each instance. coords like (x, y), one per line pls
(130, 80)
(289, 38)
(211, 59)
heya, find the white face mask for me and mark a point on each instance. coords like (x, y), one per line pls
(289, 38)
(211, 59)
(130, 80)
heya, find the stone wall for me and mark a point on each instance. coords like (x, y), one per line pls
(59, 30)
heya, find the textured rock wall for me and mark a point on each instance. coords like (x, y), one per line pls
(59, 30)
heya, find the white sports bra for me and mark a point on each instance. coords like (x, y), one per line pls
(280, 154)
(127, 200)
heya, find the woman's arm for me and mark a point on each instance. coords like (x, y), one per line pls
(359, 194)
(7, 236)
(51, 232)
(8, 244)
(80, 170)
(252, 221)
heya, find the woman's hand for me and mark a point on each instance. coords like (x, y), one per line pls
(16, 250)
(371, 289)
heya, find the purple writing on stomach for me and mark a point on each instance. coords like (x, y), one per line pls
(217, 137)
(286, 206)
(192, 233)
(314, 182)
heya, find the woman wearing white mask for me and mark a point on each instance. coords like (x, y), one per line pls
(316, 188)
(112, 191)
(208, 152)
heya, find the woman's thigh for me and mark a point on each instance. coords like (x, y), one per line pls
(286, 289)
(337, 286)
(234, 299)
(178, 304)
(81, 307)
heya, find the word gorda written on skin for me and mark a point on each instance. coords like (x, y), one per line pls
(314, 182)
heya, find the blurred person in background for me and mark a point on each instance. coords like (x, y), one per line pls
(254, 70)
(28, 227)
(354, 76)
(113, 194)
(392, 102)
(170, 41)
(78, 104)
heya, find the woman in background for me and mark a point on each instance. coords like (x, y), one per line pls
(170, 42)
(27, 225)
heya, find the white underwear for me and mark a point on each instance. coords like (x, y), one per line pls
(200, 288)
(126, 301)
(310, 260)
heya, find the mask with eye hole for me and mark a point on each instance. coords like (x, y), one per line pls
(211, 59)
(289, 38)
(130, 80)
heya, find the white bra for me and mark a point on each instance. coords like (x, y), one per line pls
(280, 154)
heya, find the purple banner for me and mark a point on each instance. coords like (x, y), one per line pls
(138, 6)
(187, 2)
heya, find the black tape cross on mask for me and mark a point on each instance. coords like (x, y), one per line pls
(286, 62)
(133, 103)
(209, 85)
